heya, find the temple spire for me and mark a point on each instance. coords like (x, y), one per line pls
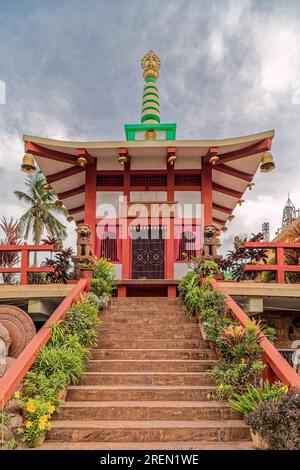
(150, 108)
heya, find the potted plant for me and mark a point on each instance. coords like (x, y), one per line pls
(87, 270)
(249, 403)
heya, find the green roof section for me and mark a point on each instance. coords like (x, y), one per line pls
(132, 129)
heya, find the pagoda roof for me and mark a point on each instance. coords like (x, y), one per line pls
(239, 160)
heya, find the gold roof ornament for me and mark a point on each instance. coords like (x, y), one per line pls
(214, 159)
(150, 63)
(28, 164)
(70, 219)
(81, 161)
(267, 163)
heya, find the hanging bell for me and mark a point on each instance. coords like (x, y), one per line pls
(250, 186)
(70, 219)
(28, 164)
(81, 161)
(214, 159)
(224, 229)
(231, 217)
(122, 159)
(58, 204)
(172, 159)
(240, 202)
(267, 163)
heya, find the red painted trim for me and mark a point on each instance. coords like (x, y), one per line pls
(110, 188)
(71, 192)
(37, 150)
(254, 149)
(272, 244)
(222, 189)
(281, 369)
(90, 200)
(219, 221)
(233, 172)
(26, 247)
(206, 192)
(13, 377)
(74, 170)
(226, 210)
(75, 210)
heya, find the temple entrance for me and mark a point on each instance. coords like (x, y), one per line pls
(148, 253)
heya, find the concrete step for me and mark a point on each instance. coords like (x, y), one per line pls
(148, 431)
(184, 445)
(168, 328)
(143, 322)
(139, 392)
(159, 365)
(148, 335)
(153, 354)
(146, 410)
(146, 378)
(151, 344)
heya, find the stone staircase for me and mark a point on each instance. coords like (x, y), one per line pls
(145, 386)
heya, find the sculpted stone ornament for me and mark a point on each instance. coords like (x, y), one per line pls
(211, 242)
(16, 331)
(84, 241)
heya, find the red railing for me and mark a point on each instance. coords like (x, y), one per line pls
(277, 368)
(24, 269)
(13, 377)
(279, 267)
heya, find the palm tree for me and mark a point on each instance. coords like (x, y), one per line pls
(11, 236)
(40, 216)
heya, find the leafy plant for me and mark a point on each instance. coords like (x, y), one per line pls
(233, 377)
(103, 282)
(61, 263)
(278, 421)
(247, 401)
(11, 236)
(81, 320)
(206, 268)
(37, 414)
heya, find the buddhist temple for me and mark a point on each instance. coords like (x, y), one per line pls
(146, 197)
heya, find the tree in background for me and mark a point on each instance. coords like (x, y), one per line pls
(41, 215)
(11, 236)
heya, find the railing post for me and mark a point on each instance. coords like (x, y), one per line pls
(268, 373)
(280, 262)
(24, 266)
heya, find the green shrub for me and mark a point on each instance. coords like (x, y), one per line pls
(80, 321)
(188, 282)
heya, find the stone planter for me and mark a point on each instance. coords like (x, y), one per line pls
(87, 273)
(40, 440)
(62, 395)
(258, 441)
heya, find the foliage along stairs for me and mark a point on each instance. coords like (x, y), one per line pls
(145, 388)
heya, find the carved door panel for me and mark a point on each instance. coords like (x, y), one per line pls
(148, 254)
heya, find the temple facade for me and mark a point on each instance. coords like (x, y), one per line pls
(148, 197)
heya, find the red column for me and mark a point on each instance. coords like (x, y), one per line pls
(126, 242)
(170, 251)
(206, 192)
(24, 267)
(280, 263)
(90, 199)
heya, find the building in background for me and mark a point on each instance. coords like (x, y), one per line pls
(265, 229)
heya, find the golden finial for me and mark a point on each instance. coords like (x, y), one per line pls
(150, 64)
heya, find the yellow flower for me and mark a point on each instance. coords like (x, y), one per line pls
(221, 386)
(17, 394)
(208, 396)
(31, 408)
(28, 424)
(42, 427)
(50, 408)
(49, 426)
(285, 389)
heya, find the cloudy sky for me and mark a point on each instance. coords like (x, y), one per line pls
(72, 71)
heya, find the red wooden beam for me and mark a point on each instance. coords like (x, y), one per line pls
(84, 153)
(75, 210)
(273, 267)
(253, 149)
(13, 377)
(219, 221)
(233, 172)
(37, 150)
(26, 247)
(230, 192)
(226, 210)
(74, 170)
(272, 244)
(71, 192)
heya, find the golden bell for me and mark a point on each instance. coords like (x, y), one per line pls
(231, 217)
(214, 159)
(122, 159)
(28, 163)
(240, 202)
(267, 163)
(250, 186)
(224, 229)
(172, 159)
(81, 161)
(58, 204)
(70, 218)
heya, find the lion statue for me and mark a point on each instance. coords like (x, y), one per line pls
(210, 241)
(83, 241)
